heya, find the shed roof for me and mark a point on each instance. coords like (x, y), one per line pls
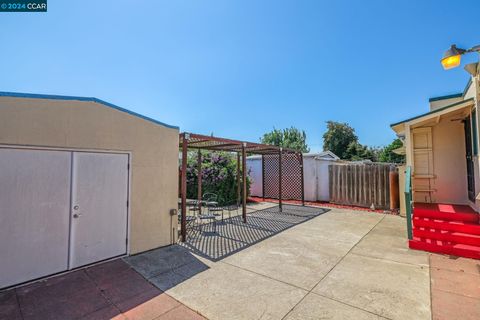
(88, 99)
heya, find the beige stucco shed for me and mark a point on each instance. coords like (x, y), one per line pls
(82, 181)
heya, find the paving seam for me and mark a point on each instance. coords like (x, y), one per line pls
(265, 276)
(390, 260)
(179, 306)
(18, 304)
(355, 307)
(430, 287)
(110, 302)
(339, 261)
(458, 294)
(164, 292)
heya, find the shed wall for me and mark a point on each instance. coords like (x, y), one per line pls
(73, 124)
(315, 171)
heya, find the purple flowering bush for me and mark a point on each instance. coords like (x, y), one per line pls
(219, 176)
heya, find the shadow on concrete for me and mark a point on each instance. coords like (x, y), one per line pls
(103, 291)
(168, 266)
(232, 235)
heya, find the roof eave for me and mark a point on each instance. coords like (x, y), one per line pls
(85, 99)
(432, 112)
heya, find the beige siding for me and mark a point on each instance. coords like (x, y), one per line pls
(75, 124)
(434, 105)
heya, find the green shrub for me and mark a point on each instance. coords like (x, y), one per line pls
(219, 176)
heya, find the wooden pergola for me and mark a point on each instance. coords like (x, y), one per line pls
(242, 148)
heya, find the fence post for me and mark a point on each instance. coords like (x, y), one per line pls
(302, 179)
(183, 187)
(280, 179)
(408, 200)
(263, 177)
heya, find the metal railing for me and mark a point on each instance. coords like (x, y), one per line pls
(408, 201)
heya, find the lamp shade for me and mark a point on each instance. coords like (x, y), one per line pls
(452, 57)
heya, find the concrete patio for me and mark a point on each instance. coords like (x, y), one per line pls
(341, 264)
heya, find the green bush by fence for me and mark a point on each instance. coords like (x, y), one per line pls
(219, 176)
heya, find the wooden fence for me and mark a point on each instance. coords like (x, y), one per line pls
(360, 184)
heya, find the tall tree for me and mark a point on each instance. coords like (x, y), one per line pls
(287, 138)
(338, 138)
(386, 154)
(357, 151)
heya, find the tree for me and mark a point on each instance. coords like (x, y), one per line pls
(386, 154)
(338, 138)
(357, 151)
(288, 138)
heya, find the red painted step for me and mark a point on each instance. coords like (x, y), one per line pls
(447, 236)
(437, 224)
(442, 207)
(445, 228)
(446, 212)
(464, 217)
(461, 250)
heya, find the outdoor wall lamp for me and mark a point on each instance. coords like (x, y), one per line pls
(452, 57)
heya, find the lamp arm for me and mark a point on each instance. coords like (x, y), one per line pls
(474, 49)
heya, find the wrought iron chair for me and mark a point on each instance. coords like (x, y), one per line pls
(210, 200)
(229, 206)
(213, 202)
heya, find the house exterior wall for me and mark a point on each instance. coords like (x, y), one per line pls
(73, 124)
(448, 149)
(449, 162)
(448, 165)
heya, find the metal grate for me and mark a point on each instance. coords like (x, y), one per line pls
(292, 176)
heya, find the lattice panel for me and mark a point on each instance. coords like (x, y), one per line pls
(292, 179)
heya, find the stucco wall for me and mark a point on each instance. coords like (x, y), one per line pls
(89, 125)
(449, 162)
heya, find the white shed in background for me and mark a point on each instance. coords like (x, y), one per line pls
(315, 170)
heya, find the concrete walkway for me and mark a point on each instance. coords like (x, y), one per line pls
(455, 287)
(340, 265)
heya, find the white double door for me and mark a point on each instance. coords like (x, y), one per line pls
(60, 210)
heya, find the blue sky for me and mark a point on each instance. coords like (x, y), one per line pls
(239, 68)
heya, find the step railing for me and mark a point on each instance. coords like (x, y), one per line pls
(408, 201)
